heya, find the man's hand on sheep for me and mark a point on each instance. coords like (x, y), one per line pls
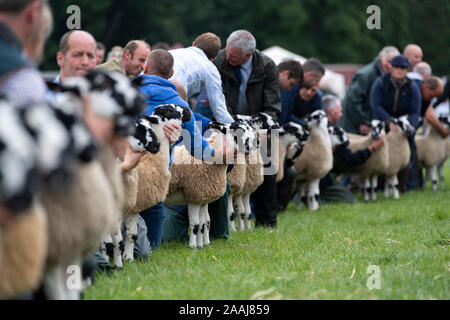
(131, 159)
(393, 127)
(376, 144)
(172, 131)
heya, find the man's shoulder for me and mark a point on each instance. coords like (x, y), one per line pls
(111, 65)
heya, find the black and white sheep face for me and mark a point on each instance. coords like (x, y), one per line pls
(445, 120)
(377, 128)
(18, 160)
(337, 135)
(264, 121)
(297, 132)
(404, 125)
(111, 95)
(172, 113)
(318, 119)
(245, 137)
(144, 138)
(293, 151)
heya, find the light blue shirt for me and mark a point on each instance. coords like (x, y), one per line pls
(246, 70)
(195, 71)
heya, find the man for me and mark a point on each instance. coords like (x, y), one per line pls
(76, 54)
(303, 99)
(100, 53)
(330, 188)
(133, 59)
(290, 74)
(414, 54)
(194, 69)
(420, 72)
(356, 109)
(24, 26)
(158, 69)
(250, 81)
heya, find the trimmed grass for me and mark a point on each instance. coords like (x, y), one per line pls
(312, 255)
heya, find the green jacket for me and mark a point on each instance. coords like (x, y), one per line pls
(263, 89)
(356, 107)
(111, 65)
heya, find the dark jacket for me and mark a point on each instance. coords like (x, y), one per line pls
(263, 89)
(356, 108)
(392, 101)
(294, 108)
(11, 57)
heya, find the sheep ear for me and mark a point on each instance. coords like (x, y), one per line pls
(187, 115)
(152, 119)
(217, 126)
(282, 132)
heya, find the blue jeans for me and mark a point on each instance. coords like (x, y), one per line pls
(154, 218)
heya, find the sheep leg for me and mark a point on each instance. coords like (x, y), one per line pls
(117, 247)
(433, 178)
(107, 242)
(194, 223)
(395, 188)
(241, 205)
(313, 195)
(131, 236)
(248, 212)
(373, 190)
(53, 282)
(207, 225)
(301, 195)
(441, 174)
(230, 213)
(367, 189)
(202, 223)
(73, 280)
(427, 177)
(387, 187)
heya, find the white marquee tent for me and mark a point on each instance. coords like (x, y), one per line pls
(332, 81)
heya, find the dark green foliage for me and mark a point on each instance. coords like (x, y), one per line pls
(333, 31)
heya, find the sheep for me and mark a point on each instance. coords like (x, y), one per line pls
(23, 240)
(377, 163)
(399, 155)
(152, 173)
(431, 151)
(315, 161)
(80, 217)
(198, 183)
(441, 164)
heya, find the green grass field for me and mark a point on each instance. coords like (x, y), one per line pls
(312, 255)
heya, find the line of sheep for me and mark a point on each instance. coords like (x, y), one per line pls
(60, 227)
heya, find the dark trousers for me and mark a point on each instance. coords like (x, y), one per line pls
(286, 188)
(265, 204)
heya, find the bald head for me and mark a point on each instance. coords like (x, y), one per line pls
(414, 53)
(76, 55)
(424, 69)
(430, 88)
(160, 63)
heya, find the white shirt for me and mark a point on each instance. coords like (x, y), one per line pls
(195, 71)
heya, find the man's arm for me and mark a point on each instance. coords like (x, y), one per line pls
(433, 120)
(213, 86)
(414, 108)
(271, 103)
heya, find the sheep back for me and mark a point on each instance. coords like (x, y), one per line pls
(79, 217)
(154, 178)
(316, 160)
(377, 163)
(399, 152)
(23, 245)
(430, 148)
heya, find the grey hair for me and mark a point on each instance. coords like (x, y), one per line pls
(422, 68)
(329, 102)
(242, 39)
(389, 50)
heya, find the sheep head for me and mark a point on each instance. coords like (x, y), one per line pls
(294, 132)
(404, 125)
(337, 135)
(318, 119)
(144, 138)
(377, 128)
